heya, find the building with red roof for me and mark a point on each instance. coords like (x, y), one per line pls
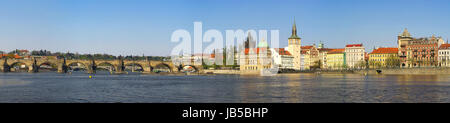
(310, 56)
(355, 55)
(282, 58)
(323, 56)
(16, 56)
(418, 52)
(336, 59)
(384, 57)
(354, 45)
(255, 59)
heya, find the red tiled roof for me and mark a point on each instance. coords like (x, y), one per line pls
(15, 56)
(256, 50)
(23, 51)
(3, 55)
(282, 51)
(354, 45)
(335, 51)
(445, 46)
(325, 49)
(306, 47)
(385, 50)
(303, 52)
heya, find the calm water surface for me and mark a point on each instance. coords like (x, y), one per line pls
(77, 87)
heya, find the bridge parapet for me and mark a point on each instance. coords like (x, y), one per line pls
(62, 65)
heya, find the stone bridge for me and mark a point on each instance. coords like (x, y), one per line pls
(116, 66)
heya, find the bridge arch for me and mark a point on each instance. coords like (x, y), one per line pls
(19, 66)
(77, 66)
(106, 65)
(162, 67)
(47, 65)
(132, 66)
(189, 68)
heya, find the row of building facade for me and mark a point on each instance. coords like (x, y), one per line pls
(298, 57)
(410, 52)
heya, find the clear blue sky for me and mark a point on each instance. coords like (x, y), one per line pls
(144, 26)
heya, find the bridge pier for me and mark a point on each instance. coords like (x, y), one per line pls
(91, 68)
(120, 67)
(34, 68)
(62, 67)
(5, 67)
(147, 67)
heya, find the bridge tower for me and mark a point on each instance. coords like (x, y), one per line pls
(6, 67)
(62, 67)
(34, 68)
(121, 66)
(92, 67)
(148, 68)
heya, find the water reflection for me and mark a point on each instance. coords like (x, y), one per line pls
(291, 88)
(12, 82)
(345, 88)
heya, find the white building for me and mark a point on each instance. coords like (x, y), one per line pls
(302, 62)
(444, 55)
(282, 58)
(354, 55)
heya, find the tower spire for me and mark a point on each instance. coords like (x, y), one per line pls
(294, 28)
(294, 31)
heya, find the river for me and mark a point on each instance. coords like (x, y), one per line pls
(283, 88)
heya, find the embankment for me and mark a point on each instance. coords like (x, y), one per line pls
(406, 71)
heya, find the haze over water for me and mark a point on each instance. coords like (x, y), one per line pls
(302, 88)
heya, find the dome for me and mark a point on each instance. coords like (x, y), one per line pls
(263, 43)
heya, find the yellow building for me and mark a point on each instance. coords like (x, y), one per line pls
(255, 60)
(336, 59)
(384, 57)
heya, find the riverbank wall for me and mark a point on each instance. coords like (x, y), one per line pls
(221, 72)
(407, 71)
(396, 71)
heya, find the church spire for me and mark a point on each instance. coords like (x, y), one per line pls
(294, 31)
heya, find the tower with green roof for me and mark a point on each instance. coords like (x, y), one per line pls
(294, 47)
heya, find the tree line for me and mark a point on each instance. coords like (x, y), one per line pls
(69, 55)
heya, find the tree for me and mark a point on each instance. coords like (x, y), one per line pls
(392, 61)
(224, 55)
(214, 66)
(361, 64)
(378, 64)
(344, 66)
(204, 64)
(371, 64)
(316, 65)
